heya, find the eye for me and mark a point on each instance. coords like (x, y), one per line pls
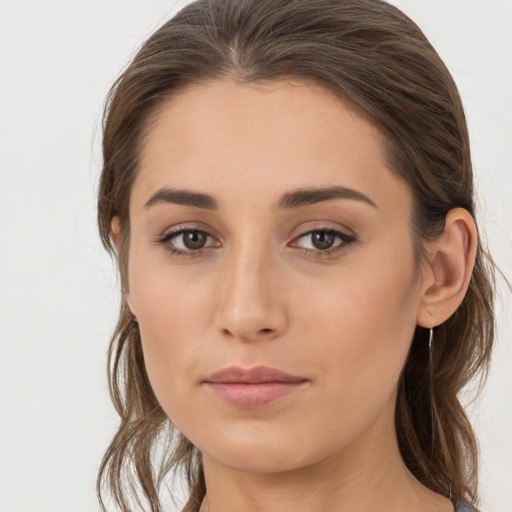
(190, 242)
(186, 241)
(324, 241)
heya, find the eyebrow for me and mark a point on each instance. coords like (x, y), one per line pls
(290, 200)
(308, 196)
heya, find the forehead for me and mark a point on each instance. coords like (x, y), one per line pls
(264, 138)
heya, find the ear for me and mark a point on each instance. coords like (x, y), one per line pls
(446, 277)
(115, 229)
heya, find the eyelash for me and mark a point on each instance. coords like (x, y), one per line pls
(346, 240)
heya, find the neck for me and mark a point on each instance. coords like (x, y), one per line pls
(366, 476)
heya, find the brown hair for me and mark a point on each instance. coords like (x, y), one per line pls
(377, 60)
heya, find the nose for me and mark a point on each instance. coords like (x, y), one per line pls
(251, 306)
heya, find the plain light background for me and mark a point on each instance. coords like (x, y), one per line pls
(58, 289)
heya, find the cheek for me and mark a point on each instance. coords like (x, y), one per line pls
(363, 328)
(172, 317)
(166, 296)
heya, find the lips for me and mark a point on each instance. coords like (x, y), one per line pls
(253, 387)
(255, 375)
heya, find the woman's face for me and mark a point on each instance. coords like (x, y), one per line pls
(266, 229)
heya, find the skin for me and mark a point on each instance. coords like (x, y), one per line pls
(261, 292)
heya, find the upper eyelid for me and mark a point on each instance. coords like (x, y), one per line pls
(183, 229)
(180, 228)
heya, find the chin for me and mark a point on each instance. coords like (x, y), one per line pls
(264, 454)
(259, 460)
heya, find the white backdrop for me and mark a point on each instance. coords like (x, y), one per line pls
(58, 290)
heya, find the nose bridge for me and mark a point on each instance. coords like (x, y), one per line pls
(250, 308)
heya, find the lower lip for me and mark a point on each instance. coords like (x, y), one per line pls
(253, 395)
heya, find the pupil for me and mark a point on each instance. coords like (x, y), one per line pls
(194, 239)
(323, 240)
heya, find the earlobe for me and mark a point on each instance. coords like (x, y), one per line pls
(451, 260)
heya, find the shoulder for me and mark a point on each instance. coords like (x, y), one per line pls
(462, 506)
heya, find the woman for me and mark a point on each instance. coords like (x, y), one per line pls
(287, 186)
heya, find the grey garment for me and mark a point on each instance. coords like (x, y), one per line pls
(462, 506)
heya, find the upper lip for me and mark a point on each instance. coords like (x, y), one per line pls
(255, 375)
